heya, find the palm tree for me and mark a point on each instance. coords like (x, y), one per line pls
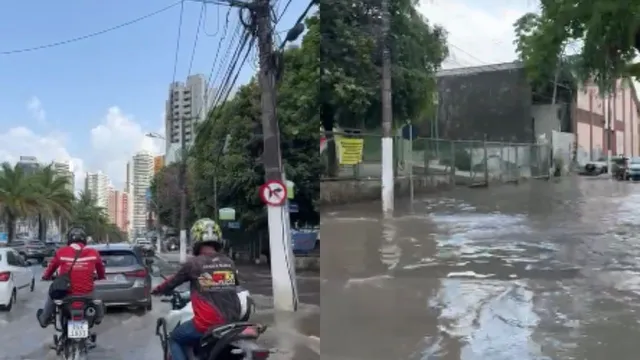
(55, 199)
(90, 216)
(19, 196)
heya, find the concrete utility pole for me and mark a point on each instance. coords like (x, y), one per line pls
(285, 295)
(183, 193)
(387, 117)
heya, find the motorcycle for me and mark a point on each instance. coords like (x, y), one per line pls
(75, 316)
(235, 341)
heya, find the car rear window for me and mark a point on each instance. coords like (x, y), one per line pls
(117, 258)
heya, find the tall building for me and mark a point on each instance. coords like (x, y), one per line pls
(63, 169)
(97, 184)
(142, 173)
(119, 209)
(29, 164)
(158, 163)
(186, 107)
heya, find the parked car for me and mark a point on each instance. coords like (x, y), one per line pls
(30, 249)
(595, 167)
(15, 276)
(632, 169)
(128, 280)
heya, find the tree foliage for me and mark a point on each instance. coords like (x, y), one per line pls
(228, 148)
(351, 61)
(46, 196)
(165, 195)
(607, 31)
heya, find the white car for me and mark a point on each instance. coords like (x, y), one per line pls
(15, 276)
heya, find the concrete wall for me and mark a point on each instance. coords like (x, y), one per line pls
(350, 191)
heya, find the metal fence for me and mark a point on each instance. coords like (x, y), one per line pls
(461, 162)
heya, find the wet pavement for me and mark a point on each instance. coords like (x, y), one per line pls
(539, 271)
(126, 334)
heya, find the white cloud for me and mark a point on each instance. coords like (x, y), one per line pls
(480, 32)
(21, 141)
(115, 141)
(34, 106)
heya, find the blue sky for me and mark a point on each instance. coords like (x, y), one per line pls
(92, 101)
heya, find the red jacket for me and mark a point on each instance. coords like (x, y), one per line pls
(88, 263)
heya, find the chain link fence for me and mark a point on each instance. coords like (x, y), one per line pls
(461, 162)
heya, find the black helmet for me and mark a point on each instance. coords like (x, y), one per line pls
(76, 235)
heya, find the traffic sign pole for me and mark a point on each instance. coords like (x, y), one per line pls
(274, 194)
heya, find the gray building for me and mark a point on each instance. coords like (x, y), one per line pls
(186, 107)
(29, 164)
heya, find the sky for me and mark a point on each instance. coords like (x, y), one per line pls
(92, 101)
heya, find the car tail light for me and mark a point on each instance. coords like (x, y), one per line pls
(138, 273)
(260, 354)
(5, 276)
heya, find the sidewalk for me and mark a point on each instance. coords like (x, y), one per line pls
(289, 335)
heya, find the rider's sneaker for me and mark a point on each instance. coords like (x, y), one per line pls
(39, 317)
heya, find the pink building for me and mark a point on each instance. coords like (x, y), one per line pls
(591, 126)
(118, 209)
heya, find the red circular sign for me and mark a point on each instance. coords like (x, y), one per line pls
(273, 193)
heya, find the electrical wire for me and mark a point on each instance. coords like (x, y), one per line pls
(195, 41)
(286, 6)
(90, 35)
(177, 53)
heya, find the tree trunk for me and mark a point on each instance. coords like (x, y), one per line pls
(11, 228)
(42, 228)
(327, 124)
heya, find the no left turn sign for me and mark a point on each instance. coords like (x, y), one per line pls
(273, 193)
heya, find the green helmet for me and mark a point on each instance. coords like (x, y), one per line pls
(206, 232)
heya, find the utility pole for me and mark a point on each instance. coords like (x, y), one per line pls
(285, 295)
(183, 192)
(387, 116)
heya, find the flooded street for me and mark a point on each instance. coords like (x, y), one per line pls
(536, 271)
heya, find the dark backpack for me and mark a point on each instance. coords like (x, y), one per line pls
(61, 285)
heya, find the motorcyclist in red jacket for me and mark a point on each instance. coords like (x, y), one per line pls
(82, 274)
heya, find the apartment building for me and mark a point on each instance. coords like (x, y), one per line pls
(607, 121)
(29, 164)
(63, 169)
(158, 163)
(141, 171)
(118, 209)
(97, 184)
(186, 106)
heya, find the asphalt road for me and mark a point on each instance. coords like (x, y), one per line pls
(539, 271)
(125, 334)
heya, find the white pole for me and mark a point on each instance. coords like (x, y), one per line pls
(410, 163)
(285, 297)
(183, 246)
(608, 130)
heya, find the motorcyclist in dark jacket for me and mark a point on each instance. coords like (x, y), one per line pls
(213, 278)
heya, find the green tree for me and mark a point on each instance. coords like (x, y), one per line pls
(93, 218)
(19, 197)
(165, 195)
(350, 58)
(608, 33)
(55, 199)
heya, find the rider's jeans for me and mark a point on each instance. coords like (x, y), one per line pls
(182, 337)
(50, 307)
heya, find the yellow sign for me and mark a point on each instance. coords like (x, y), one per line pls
(350, 151)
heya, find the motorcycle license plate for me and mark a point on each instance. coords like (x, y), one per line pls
(78, 329)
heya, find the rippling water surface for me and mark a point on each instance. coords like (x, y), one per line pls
(531, 272)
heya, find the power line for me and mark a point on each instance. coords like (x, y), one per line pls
(90, 35)
(286, 6)
(175, 61)
(195, 41)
